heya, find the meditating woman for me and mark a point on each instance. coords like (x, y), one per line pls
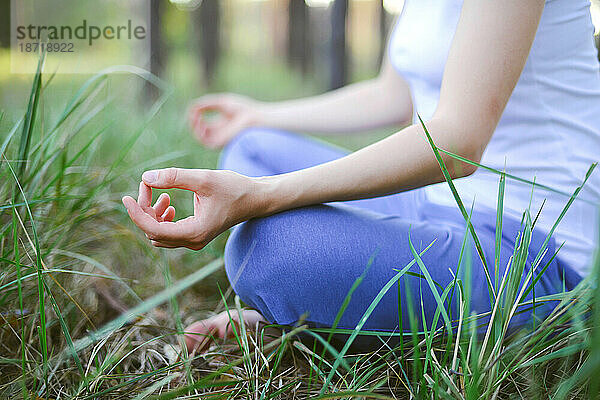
(511, 84)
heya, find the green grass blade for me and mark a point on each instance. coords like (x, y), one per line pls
(499, 218)
(41, 294)
(205, 381)
(9, 136)
(100, 266)
(29, 119)
(66, 333)
(148, 304)
(432, 286)
(21, 307)
(564, 211)
(417, 367)
(346, 302)
(155, 386)
(512, 177)
(365, 317)
(463, 210)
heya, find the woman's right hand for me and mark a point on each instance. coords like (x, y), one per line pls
(222, 199)
(215, 119)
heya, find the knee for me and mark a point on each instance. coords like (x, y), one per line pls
(266, 260)
(252, 259)
(273, 246)
(240, 146)
(248, 144)
(250, 254)
(248, 138)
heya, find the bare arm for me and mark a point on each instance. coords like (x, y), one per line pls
(379, 102)
(487, 56)
(488, 53)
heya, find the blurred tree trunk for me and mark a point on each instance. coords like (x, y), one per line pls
(207, 24)
(338, 67)
(298, 37)
(158, 50)
(4, 23)
(383, 30)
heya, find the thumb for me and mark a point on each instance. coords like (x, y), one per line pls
(188, 179)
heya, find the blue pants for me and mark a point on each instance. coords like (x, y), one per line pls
(304, 261)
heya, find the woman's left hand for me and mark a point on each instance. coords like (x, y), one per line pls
(221, 200)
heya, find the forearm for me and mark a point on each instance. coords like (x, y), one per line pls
(357, 107)
(478, 81)
(398, 163)
(488, 53)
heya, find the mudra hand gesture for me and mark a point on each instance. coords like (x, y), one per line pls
(231, 113)
(222, 199)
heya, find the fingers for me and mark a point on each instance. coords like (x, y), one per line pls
(197, 205)
(158, 231)
(193, 115)
(205, 128)
(203, 105)
(215, 137)
(144, 196)
(208, 128)
(196, 113)
(200, 334)
(197, 125)
(137, 214)
(161, 204)
(162, 210)
(189, 179)
(226, 132)
(163, 245)
(169, 214)
(200, 107)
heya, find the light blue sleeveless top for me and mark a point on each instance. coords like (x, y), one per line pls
(550, 129)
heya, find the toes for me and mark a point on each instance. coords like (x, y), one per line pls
(198, 335)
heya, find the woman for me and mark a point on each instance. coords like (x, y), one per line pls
(510, 84)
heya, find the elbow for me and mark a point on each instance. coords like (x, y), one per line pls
(466, 140)
(460, 158)
(467, 170)
(462, 169)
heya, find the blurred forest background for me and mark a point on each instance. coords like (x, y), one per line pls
(269, 49)
(204, 44)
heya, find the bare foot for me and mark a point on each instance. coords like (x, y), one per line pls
(199, 334)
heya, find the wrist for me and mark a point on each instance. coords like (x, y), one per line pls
(262, 114)
(269, 196)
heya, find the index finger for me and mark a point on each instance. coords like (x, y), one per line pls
(144, 195)
(196, 110)
(151, 227)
